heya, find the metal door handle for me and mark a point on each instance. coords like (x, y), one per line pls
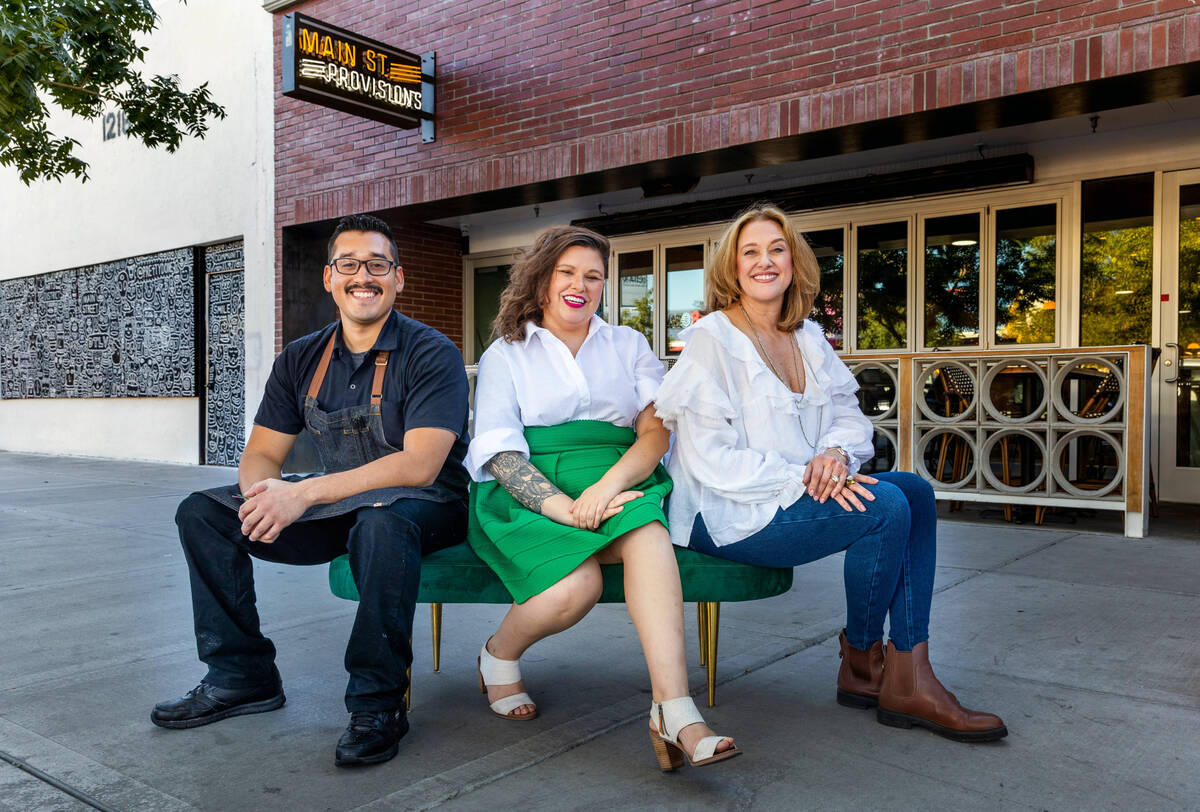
(1167, 362)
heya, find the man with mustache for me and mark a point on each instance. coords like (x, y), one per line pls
(384, 399)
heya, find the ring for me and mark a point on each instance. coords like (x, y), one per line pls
(851, 481)
(834, 477)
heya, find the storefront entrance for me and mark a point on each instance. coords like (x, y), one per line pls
(1179, 366)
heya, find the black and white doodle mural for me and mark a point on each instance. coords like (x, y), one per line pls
(225, 431)
(118, 329)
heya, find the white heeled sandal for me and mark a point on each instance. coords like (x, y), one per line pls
(494, 671)
(670, 717)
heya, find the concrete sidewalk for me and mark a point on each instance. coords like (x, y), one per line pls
(1087, 643)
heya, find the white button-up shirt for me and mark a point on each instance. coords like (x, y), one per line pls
(537, 382)
(742, 438)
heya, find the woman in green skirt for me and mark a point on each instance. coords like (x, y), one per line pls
(566, 462)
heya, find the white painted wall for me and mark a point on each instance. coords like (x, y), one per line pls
(158, 429)
(141, 201)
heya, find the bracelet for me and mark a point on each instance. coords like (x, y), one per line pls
(839, 451)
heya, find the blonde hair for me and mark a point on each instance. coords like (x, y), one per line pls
(529, 279)
(721, 281)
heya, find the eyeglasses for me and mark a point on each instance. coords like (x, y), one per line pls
(375, 267)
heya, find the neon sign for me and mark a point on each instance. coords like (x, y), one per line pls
(337, 68)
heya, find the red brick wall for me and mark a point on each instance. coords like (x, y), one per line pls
(433, 278)
(530, 91)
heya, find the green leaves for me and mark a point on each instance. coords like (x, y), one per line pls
(80, 55)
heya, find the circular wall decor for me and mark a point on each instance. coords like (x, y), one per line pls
(1060, 476)
(954, 391)
(874, 381)
(951, 434)
(1103, 390)
(1020, 377)
(878, 463)
(989, 446)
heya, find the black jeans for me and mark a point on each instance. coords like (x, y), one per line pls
(385, 546)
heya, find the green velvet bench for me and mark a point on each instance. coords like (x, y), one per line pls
(456, 575)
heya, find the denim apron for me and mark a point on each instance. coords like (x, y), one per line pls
(345, 439)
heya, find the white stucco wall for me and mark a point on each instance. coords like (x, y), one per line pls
(159, 429)
(141, 201)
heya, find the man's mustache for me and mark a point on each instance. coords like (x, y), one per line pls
(372, 288)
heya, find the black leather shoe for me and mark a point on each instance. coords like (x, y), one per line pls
(372, 737)
(207, 703)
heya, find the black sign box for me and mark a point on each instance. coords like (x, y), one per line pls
(337, 68)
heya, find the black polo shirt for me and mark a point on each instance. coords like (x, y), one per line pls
(425, 386)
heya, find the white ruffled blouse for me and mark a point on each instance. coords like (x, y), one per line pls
(740, 449)
(537, 382)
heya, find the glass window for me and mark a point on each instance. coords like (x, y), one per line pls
(635, 296)
(830, 248)
(1115, 265)
(685, 291)
(1187, 405)
(952, 281)
(489, 282)
(1026, 274)
(882, 277)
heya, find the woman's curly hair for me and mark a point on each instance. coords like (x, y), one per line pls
(529, 280)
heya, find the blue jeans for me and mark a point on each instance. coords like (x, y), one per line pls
(890, 554)
(385, 546)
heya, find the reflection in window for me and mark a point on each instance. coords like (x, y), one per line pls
(952, 281)
(1187, 405)
(830, 248)
(635, 275)
(1115, 265)
(1026, 274)
(882, 264)
(685, 291)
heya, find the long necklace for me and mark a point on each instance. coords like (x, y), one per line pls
(795, 368)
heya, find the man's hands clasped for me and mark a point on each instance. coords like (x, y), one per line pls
(271, 505)
(827, 477)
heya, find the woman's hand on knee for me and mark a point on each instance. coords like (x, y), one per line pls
(853, 492)
(824, 476)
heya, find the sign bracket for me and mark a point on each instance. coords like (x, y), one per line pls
(428, 83)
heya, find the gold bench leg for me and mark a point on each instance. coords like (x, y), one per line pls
(435, 623)
(702, 628)
(711, 624)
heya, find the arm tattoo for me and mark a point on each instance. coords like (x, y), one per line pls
(524, 483)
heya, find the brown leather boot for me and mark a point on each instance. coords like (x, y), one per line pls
(911, 695)
(860, 674)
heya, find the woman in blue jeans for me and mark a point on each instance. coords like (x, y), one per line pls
(768, 440)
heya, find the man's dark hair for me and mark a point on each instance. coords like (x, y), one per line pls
(362, 222)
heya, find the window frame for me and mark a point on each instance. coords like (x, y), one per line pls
(470, 262)
(658, 243)
(1060, 274)
(1064, 194)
